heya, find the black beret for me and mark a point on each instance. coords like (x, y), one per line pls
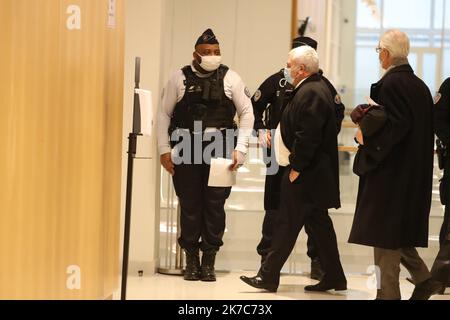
(304, 41)
(208, 37)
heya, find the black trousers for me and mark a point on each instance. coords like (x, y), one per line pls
(272, 194)
(295, 211)
(202, 208)
(268, 227)
(202, 220)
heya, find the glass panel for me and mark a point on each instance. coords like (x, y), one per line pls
(417, 17)
(447, 14)
(429, 70)
(413, 61)
(367, 72)
(422, 40)
(446, 68)
(438, 7)
(368, 16)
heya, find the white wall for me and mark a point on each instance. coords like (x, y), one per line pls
(254, 34)
(348, 50)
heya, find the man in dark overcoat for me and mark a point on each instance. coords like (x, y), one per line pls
(306, 143)
(394, 198)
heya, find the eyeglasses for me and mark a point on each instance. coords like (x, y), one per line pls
(379, 49)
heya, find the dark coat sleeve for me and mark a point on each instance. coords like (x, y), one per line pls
(397, 126)
(373, 121)
(442, 114)
(339, 106)
(340, 115)
(267, 92)
(311, 116)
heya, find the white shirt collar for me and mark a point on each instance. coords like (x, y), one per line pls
(300, 83)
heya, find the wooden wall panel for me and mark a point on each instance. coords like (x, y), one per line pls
(61, 127)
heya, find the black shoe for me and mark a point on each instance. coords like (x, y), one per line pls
(258, 283)
(325, 285)
(426, 289)
(316, 270)
(208, 274)
(192, 270)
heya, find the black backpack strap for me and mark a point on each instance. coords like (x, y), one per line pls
(189, 74)
(222, 72)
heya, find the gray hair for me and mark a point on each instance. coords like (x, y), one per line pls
(397, 43)
(306, 56)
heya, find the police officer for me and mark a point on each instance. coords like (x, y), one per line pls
(269, 102)
(441, 268)
(202, 99)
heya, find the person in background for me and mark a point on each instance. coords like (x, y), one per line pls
(441, 267)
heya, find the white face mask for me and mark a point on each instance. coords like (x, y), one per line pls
(288, 75)
(210, 63)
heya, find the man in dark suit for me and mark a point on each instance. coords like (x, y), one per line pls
(269, 103)
(306, 142)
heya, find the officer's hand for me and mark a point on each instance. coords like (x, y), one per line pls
(238, 160)
(293, 176)
(262, 138)
(166, 162)
(269, 138)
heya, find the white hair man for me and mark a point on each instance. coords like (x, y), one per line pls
(394, 49)
(306, 144)
(396, 170)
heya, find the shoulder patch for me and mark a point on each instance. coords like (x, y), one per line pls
(338, 99)
(437, 98)
(257, 96)
(247, 93)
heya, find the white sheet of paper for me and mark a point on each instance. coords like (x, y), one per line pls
(220, 175)
(282, 153)
(371, 102)
(145, 98)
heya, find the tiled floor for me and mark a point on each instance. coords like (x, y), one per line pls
(229, 287)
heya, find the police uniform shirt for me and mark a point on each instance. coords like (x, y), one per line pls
(235, 90)
(267, 95)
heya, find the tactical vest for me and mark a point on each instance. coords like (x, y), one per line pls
(279, 103)
(204, 100)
